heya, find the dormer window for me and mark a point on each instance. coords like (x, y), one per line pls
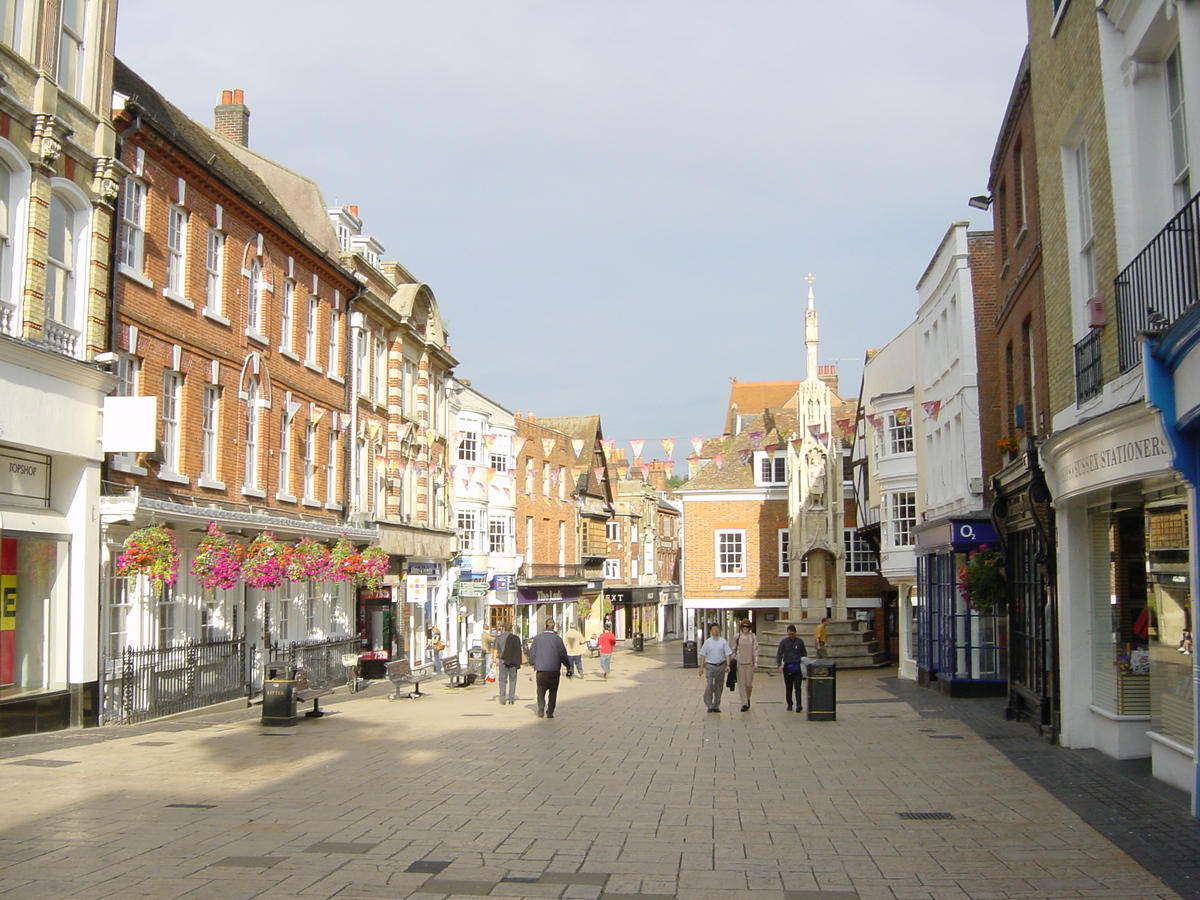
(770, 468)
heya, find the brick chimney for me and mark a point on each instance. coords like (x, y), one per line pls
(231, 118)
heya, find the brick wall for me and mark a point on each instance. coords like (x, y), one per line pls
(761, 522)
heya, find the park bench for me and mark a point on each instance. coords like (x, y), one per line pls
(458, 678)
(593, 648)
(401, 674)
(304, 691)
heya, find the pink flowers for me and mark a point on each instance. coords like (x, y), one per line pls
(151, 551)
(218, 562)
(308, 561)
(265, 566)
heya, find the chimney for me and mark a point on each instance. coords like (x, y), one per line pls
(530, 417)
(353, 211)
(231, 119)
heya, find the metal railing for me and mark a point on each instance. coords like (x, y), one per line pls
(550, 570)
(1161, 282)
(321, 658)
(145, 683)
(1089, 368)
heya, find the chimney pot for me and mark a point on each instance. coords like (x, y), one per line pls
(353, 211)
(231, 119)
(226, 97)
(239, 97)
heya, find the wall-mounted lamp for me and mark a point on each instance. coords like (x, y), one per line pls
(983, 201)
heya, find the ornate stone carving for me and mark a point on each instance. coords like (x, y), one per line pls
(47, 140)
(106, 181)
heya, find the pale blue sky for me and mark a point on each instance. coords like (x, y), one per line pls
(616, 201)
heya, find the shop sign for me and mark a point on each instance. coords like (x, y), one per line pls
(503, 582)
(429, 569)
(25, 475)
(551, 595)
(1125, 454)
(414, 588)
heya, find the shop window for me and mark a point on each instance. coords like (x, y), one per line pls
(33, 615)
(1170, 631)
(118, 610)
(168, 617)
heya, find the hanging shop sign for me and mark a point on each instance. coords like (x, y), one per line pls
(415, 588)
(429, 569)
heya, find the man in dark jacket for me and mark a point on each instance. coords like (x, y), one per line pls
(546, 653)
(789, 657)
(507, 653)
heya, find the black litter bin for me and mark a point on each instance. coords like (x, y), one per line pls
(475, 657)
(822, 691)
(691, 657)
(639, 641)
(279, 702)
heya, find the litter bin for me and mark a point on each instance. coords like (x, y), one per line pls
(279, 702)
(639, 641)
(691, 656)
(475, 660)
(822, 691)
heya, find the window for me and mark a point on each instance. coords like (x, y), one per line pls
(167, 616)
(283, 618)
(310, 616)
(468, 447)
(360, 361)
(11, 22)
(309, 457)
(131, 239)
(612, 530)
(612, 569)
(63, 303)
(1018, 178)
(335, 337)
(331, 468)
(731, 552)
(1085, 232)
(633, 532)
(899, 428)
(252, 423)
(118, 609)
(176, 251)
(214, 263)
(209, 445)
(379, 498)
(468, 530)
(380, 389)
(1180, 170)
(562, 482)
(528, 486)
(785, 564)
(903, 518)
(285, 453)
(546, 478)
(9, 201)
(499, 462)
(254, 317)
(497, 535)
(211, 625)
(860, 558)
(772, 471)
(287, 315)
(71, 68)
(171, 397)
(310, 330)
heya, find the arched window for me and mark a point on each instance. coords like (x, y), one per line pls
(66, 269)
(252, 423)
(254, 296)
(14, 187)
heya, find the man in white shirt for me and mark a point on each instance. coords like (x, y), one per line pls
(716, 653)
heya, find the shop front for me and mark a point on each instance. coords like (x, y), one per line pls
(635, 610)
(1124, 564)
(961, 645)
(377, 631)
(537, 604)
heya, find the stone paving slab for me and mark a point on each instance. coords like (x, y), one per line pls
(631, 791)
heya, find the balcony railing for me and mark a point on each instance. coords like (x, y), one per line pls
(1089, 369)
(8, 318)
(1161, 282)
(549, 570)
(60, 337)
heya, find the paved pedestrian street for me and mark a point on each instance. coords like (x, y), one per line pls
(631, 791)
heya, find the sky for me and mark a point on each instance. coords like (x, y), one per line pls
(616, 202)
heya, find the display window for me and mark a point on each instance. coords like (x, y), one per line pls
(33, 619)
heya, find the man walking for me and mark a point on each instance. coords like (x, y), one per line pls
(821, 636)
(546, 653)
(606, 642)
(716, 654)
(745, 654)
(574, 641)
(506, 657)
(790, 659)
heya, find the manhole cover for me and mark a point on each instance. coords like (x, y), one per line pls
(926, 815)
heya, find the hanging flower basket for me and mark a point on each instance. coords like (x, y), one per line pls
(981, 579)
(373, 565)
(150, 551)
(308, 561)
(218, 562)
(265, 565)
(343, 560)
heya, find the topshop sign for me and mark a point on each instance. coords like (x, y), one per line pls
(24, 477)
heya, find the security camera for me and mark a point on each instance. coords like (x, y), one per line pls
(106, 359)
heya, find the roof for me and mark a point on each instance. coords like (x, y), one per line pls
(722, 466)
(755, 396)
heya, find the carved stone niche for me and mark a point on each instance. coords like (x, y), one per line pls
(49, 135)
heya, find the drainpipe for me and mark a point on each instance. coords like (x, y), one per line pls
(356, 327)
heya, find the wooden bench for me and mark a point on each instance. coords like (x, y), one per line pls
(401, 673)
(458, 678)
(593, 648)
(303, 692)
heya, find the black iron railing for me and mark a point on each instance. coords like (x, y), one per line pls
(1161, 282)
(145, 683)
(1089, 368)
(321, 658)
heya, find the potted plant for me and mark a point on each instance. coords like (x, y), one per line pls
(373, 565)
(307, 561)
(1008, 446)
(265, 565)
(981, 579)
(150, 551)
(218, 562)
(343, 560)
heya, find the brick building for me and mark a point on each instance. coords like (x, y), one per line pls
(58, 181)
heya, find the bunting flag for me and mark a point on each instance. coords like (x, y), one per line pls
(719, 459)
(771, 448)
(823, 437)
(697, 445)
(598, 471)
(489, 441)
(507, 492)
(845, 424)
(374, 430)
(622, 468)
(431, 435)
(577, 445)
(814, 430)
(466, 483)
(315, 413)
(575, 471)
(744, 456)
(933, 408)
(293, 407)
(875, 421)
(637, 448)
(401, 465)
(554, 477)
(645, 472)
(755, 439)
(548, 446)
(608, 445)
(901, 415)
(518, 444)
(668, 445)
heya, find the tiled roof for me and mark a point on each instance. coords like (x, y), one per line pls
(770, 428)
(749, 397)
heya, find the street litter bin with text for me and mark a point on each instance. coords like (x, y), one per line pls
(475, 660)
(639, 641)
(822, 691)
(691, 656)
(279, 702)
